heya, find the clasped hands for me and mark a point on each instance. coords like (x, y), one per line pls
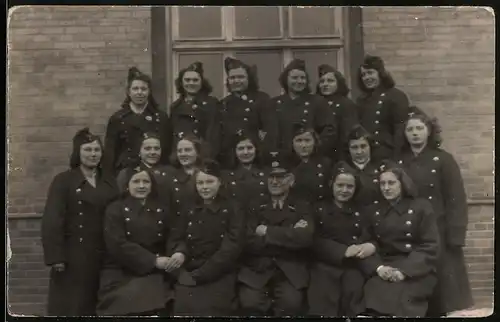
(360, 251)
(261, 230)
(390, 274)
(171, 263)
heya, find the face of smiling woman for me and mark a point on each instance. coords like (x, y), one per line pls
(207, 185)
(140, 185)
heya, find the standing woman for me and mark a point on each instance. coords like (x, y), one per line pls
(246, 107)
(341, 241)
(246, 180)
(403, 229)
(133, 278)
(359, 151)
(333, 87)
(72, 229)
(208, 242)
(312, 171)
(297, 105)
(195, 111)
(139, 114)
(150, 152)
(178, 184)
(383, 108)
(438, 179)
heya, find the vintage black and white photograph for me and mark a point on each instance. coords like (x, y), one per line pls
(210, 161)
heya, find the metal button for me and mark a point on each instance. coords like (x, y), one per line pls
(376, 132)
(176, 189)
(262, 194)
(195, 131)
(78, 190)
(356, 214)
(189, 235)
(127, 219)
(431, 185)
(127, 209)
(262, 183)
(408, 234)
(160, 222)
(320, 174)
(377, 122)
(81, 213)
(377, 213)
(377, 112)
(433, 170)
(320, 209)
(233, 183)
(79, 202)
(159, 234)
(356, 225)
(321, 186)
(245, 119)
(81, 226)
(354, 237)
(128, 232)
(222, 236)
(408, 245)
(380, 102)
(408, 223)
(81, 239)
(177, 201)
(377, 143)
(430, 197)
(190, 223)
(410, 211)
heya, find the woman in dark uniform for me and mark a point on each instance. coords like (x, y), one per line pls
(134, 279)
(178, 184)
(341, 240)
(438, 178)
(150, 152)
(382, 108)
(246, 107)
(404, 230)
(333, 87)
(312, 171)
(210, 239)
(139, 114)
(299, 105)
(72, 229)
(359, 146)
(195, 111)
(246, 181)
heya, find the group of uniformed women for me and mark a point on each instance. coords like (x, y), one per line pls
(301, 204)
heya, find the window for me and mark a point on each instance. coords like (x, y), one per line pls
(269, 37)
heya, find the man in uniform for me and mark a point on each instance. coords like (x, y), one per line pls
(274, 273)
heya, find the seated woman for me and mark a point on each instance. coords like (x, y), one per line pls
(404, 230)
(246, 182)
(208, 242)
(337, 281)
(133, 277)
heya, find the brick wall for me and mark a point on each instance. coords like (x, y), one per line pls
(67, 69)
(443, 58)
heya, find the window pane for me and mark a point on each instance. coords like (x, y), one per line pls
(200, 22)
(255, 22)
(269, 66)
(315, 21)
(314, 58)
(212, 66)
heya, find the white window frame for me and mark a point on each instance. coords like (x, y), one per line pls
(229, 44)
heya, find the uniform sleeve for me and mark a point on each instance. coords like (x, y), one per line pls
(329, 251)
(228, 252)
(214, 128)
(268, 122)
(254, 244)
(166, 136)
(176, 241)
(423, 256)
(369, 264)
(129, 254)
(455, 201)
(53, 222)
(399, 107)
(325, 123)
(121, 180)
(348, 118)
(293, 238)
(111, 146)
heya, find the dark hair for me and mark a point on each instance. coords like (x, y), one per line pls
(214, 170)
(75, 159)
(129, 173)
(342, 167)
(253, 80)
(233, 160)
(342, 87)
(198, 146)
(408, 187)
(317, 146)
(137, 75)
(386, 80)
(283, 80)
(357, 132)
(144, 137)
(206, 87)
(434, 141)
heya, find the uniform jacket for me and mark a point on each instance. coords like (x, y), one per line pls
(246, 186)
(72, 233)
(405, 235)
(135, 236)
(251, 112)
(345, 114)
(211, 238)
(312, 179)
(178, 187)
(370, 187)
(308, 108)
(199, 116)
(124, 130)
(283, 247)
(383, 113)
(438, 178)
